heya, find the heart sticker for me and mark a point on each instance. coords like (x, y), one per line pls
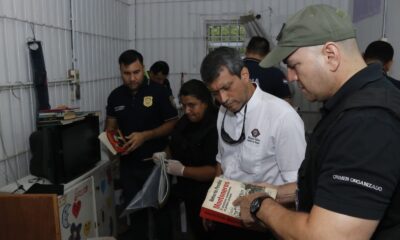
(76, 208)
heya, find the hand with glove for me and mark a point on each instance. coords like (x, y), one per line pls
(159, 156)
(175, 167)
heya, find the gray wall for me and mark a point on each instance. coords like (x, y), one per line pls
(371, 29)
(172, 30)
(99, 34)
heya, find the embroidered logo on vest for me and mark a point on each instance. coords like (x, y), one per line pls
(119, 108)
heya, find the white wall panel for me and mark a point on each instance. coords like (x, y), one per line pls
(370, 29)
(101, 33)
(170, 30)
(174, 31)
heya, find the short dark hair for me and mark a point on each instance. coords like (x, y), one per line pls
(258, 45)
(160, 66)
(216, 60)
(379, 50)
(197, 89)
(130, 56)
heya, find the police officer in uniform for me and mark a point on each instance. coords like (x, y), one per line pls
(142, 111)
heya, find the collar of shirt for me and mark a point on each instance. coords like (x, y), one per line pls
(254, 99)
(145, 83)
(372, 72)
(252, 60)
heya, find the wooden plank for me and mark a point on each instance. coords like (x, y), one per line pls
(29, 216)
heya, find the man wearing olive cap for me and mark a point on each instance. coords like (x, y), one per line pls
(348, 184)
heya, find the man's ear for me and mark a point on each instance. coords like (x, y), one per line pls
(244, 74)
(387, 66)
(332, 55)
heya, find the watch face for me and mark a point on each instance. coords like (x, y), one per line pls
(255, 205)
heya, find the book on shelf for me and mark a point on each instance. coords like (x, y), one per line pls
(113, 140)
(60, 115)
(45, 122)
(218, 206)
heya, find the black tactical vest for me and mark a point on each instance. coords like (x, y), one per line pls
(369, 97)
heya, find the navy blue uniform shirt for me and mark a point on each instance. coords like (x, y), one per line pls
(149, 108)
(271, 80)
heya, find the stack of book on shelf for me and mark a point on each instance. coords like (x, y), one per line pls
(61, 116)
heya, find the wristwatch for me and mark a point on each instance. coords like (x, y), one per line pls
(255, 205)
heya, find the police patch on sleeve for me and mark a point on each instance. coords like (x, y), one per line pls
(148, 101)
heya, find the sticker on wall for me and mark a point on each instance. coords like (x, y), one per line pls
(65, 215)
(86, 228)
(76, 208)
(75, 231)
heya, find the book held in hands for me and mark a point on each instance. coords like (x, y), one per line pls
(218, 206)
(113, 140)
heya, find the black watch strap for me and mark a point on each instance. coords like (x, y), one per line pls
(255, 205)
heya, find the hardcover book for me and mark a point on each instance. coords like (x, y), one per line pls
(218, 206)
(113, 140)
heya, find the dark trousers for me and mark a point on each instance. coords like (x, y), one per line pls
(147, 223)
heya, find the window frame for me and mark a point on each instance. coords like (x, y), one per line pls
(236, 41)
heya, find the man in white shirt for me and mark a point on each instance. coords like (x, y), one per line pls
(261, 137)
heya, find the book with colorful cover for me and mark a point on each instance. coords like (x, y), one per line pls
(113, 140)
(218, 206)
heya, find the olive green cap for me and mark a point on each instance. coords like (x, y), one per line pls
(312, 26)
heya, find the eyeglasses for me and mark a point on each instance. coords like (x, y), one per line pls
(225, 136)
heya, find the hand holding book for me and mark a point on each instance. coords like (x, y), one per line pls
(113, 140)
(218, 204)
(246, 203)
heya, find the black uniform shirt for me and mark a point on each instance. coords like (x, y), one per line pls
(395, 82)
(360, 158)
(195, 144)
(149, 108)
(271, 80)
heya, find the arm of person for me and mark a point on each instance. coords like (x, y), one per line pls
(286, 193)
(290, 145)
(136, 139)
(320, 223)
(111, 124)
(201, 174)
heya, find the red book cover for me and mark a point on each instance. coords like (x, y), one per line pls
(113, 140)
(217, 205)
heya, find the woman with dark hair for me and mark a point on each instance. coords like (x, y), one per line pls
(193, 146)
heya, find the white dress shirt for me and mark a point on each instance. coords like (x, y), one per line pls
(274, 146)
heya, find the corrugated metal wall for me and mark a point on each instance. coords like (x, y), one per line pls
(100, 34)
(171, 30)
(174, 31)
